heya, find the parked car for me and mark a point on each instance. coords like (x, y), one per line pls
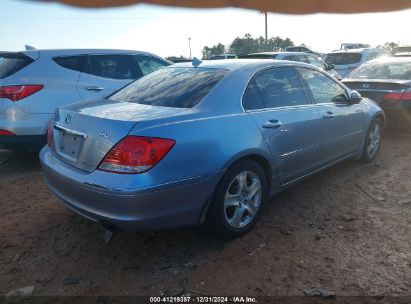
(388, 82)
(402, 51)
(223, 56)
(346, 61)
(204, 142)
(33, 83)
(350, 46)
(295, 56)
(301, 49)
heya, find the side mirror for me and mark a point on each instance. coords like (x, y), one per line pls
(329, 66)
(355, 97)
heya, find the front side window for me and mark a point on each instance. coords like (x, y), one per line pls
(272, 88)
(300, 58)
(149, 64)
(316, 62)
(322, 87)
(111, 66)
(171, 87)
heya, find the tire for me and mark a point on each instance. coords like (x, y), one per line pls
(372, 141)
(238, 200)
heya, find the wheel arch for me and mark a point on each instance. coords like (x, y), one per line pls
(262, 159)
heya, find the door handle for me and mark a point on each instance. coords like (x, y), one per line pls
(328, 115)
(94, 88)
(272, 124)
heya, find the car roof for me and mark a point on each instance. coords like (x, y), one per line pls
(281, 53)
(237, 64)
(391, 59)
(71, 52)
(362, 50)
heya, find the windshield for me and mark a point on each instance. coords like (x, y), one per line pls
(10, 63)
(343, 58)
(398, 70)
(171, 87)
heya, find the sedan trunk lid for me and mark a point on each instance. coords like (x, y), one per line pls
(84, 133)
(376, 89)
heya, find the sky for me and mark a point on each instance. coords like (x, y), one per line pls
(165, 31)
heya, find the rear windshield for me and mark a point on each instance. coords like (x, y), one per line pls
(397, 70)
(402, 49)
(259, 56)
(10, 63)
(171, 87)
(343, 58)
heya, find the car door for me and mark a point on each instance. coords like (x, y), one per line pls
(342, 122)
(277, 102)
(105, 73)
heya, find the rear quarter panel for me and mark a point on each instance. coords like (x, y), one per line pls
(59, 86)
(205, 145)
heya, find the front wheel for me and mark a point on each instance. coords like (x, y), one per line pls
(238, 200)
(372, 141)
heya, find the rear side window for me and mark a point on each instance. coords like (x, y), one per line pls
(343, 58)
(149, 64)
(171, 87)
(74, 63)
(112, 66)
(272, 88)
(11, 63)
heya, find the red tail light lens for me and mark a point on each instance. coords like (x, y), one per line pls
(135, 154)
(6, 133)
(50, 134)
(18, 92)
(398, 95)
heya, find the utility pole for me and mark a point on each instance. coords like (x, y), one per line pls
(189, 46)
(266, 33)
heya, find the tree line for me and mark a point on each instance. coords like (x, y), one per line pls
(247, 45)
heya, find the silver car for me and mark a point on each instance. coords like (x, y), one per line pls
(345, 62)
(296, 56)
(208, 142)
(33, 83)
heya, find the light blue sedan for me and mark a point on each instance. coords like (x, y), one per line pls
(205, 142)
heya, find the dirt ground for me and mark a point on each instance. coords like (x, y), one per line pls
(346, 230)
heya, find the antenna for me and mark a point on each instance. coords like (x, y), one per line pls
(29, 48)
(196, 62)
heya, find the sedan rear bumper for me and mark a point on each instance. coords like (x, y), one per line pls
(398, 112)
(152, 208)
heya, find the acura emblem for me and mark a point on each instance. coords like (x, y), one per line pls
(366, 85)
(68, 118)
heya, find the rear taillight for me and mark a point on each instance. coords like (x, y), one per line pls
(6, 133)
(50, 134)
(399, 95)
(136, 154)
(18, 92)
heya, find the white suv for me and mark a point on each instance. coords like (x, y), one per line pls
(346, 61)
(34, 83)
